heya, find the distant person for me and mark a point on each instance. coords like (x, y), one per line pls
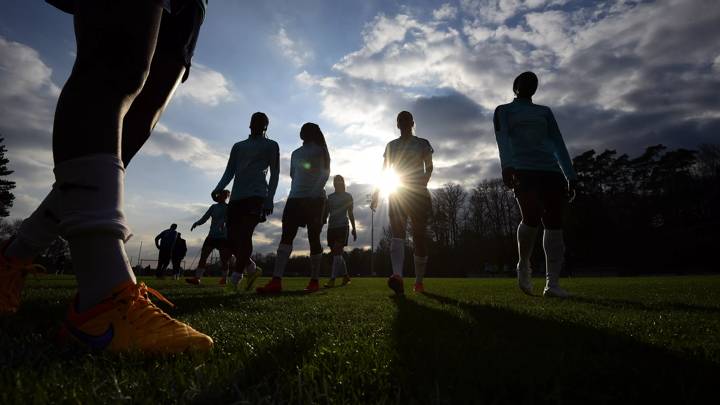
(60, 263)
(165, 242)
(216, 238)
(252, 195)
(130, 58)
(339, 215)
(178, 254)
(309, 171)
(411, 159)
(534, 158)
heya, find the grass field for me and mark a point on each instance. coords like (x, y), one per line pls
(621, 340)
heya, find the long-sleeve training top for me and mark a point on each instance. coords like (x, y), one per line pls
(308, 171)
(337, 207)
(528, 138)
(217, 214)
(248, 164)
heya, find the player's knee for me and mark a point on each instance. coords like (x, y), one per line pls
(533, 221)
(118, 77)
(552, 224)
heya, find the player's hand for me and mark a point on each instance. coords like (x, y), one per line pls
(354, 234)
(374, 200)
(509, 177)
(572, 190)
(268, 208)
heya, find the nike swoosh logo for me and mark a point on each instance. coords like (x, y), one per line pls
(95, 342)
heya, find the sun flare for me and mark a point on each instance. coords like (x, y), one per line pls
(388, 183)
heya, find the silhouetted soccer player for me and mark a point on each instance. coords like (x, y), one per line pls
(252, 196)
(130, 57)
(178, 254)
(534, 158)
(339, 215)
(165, 242)
(411, 159)
(309, 170)
(216, 238)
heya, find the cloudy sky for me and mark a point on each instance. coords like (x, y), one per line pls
(618, 74)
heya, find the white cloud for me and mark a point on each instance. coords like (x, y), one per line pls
(186, 148)
(206, 86)
(27, 93)
(445, 12)
(291, 49)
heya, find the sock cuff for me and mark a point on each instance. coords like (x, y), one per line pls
(284, 248)
(81, 164)
(315, 256)
(421, 259)
(397, 242)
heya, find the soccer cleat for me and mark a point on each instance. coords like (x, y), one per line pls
(223, 281)
(274, 286)
(330, 283)
(419, 288)
(251, 278)
(395, 283)
(12, 279)
(193, 280)
(524, 279)
(129, 320)
(346, 280)
(313, 285)
(555, 292)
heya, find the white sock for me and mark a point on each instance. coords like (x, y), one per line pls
(199, 272)
(315, 266)
(397, 255)
(39, 230)
(92, 220)
(251, 268)
(420, 266)
(235, 277)
(100, 265)
(339, 266)
(283, 255)
(554, 256)
(526, 242)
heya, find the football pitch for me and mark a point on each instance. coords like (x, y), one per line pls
(620, 340)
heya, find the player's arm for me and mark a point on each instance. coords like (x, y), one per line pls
(274, 178)
(375, 199)
(427, 160)
(502, 136)
(157, 239)
(229, 170)
(202, 220)
(561, 154)
(351, 216)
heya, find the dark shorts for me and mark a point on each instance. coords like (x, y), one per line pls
(541, 196)
(335, 235)
(214, 243)
(164, 256)
(412, 203)
(251, 206)
(302, 212)
(178, 30)
(547, 185)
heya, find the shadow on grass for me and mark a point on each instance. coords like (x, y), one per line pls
(189, 304)
(662, 306)
(492, 355)
(264, 377)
